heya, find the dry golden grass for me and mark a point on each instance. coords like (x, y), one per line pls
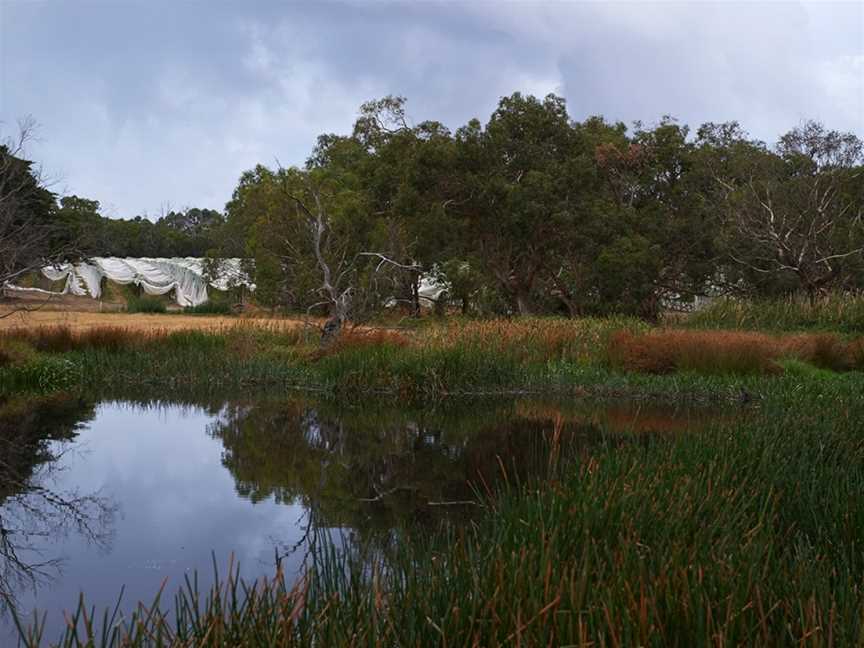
(144, 323)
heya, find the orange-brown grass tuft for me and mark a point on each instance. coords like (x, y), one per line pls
(59, 339)
(723, 352)
(823, 350)
(856, 354)
(667, 351)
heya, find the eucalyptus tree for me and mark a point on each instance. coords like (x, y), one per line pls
(662, 249)
(514, 196)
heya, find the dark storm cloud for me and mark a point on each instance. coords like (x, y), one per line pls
(147, 103)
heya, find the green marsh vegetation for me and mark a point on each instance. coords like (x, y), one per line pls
(438, 359)
(833, 312)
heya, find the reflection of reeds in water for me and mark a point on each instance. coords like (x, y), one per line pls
(623, 417)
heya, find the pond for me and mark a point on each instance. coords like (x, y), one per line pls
(99, 496)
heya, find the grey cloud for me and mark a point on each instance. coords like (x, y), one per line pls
(147, 102)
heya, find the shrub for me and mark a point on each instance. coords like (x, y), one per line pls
(145, 304)
(14, 352)
(50, 373)
(61, 339)
(719, 352)
(49, 339)
(856, 354)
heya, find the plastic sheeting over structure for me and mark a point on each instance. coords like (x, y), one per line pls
(186, 277)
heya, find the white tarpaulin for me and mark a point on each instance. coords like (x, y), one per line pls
(155, 276)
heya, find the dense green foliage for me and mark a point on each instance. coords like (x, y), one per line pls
(145, 304)
(193, 232)
(536, 213)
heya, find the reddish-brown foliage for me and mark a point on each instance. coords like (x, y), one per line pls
(856, 354)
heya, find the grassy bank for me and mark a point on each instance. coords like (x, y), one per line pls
(744, 532)
(527, 355)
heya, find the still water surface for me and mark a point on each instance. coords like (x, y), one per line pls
(126, 495)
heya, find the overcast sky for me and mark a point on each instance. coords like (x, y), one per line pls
(143, 104)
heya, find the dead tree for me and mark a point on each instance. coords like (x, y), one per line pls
(800, 213)
(351, 287)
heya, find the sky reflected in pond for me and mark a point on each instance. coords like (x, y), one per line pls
(176, 504)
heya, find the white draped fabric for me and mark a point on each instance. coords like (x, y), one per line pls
(156, 276)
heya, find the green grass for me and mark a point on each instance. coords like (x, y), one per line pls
(746, 532)
(839, 313)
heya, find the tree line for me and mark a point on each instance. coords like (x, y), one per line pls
(531, 212)
(535, 212)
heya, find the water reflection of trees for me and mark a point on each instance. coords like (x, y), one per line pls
(35, 433)
(376, 467)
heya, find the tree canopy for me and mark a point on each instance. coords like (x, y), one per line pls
(536, 212)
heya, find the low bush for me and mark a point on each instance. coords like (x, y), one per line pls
(14, 352)
(667, 351)
(856, 354)
(354, 339)
(823, 350)
(145, 304)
